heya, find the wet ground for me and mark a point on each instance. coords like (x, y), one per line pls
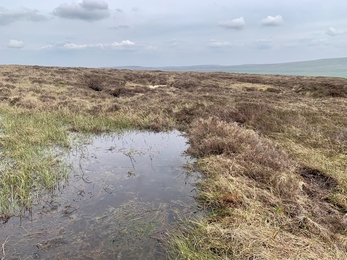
(124, 195)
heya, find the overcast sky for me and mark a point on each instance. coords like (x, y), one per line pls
(97, 33)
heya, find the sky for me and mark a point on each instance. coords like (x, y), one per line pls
(105, 33)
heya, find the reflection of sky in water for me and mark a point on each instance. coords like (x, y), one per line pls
(124, 191)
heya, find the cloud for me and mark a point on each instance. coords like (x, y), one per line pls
(87, 10)
(272, 21)
(15, 44)
(215, 43)
(119, 27)
(72, 46)
(46, 47)
(94, 5)
(121, 44)
(333, 32)
(236, 24)
(20, 14)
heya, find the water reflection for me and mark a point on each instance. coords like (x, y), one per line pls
(124, 193)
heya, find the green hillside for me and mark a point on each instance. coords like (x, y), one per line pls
(324, 67)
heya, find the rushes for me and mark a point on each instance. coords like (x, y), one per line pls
(28, 166)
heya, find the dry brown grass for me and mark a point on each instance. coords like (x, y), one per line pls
(266, 205)
(272, 148)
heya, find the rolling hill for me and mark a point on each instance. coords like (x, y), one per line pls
(336, 67)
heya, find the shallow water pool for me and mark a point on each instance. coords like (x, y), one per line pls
(125, 194)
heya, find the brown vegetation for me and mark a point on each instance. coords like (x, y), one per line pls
(272, 148)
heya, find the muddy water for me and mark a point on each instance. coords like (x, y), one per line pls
(124, 195)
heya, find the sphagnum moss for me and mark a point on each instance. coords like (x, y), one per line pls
(272, 149)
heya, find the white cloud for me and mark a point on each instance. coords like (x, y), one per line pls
(98, 45)
(26, 14)
(72, 46)
(15, 44)
(127, 45)
(46, 47)
(122, 44)
(215, 43)
(333, 32)
(236, 24)
(272, 21)
(87, 10)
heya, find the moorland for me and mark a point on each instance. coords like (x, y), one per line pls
(272, 150)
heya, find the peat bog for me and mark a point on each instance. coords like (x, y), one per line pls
(272, 150)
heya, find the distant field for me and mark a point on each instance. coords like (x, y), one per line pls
(324, 67)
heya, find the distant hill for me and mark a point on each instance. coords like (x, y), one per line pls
(324, 67)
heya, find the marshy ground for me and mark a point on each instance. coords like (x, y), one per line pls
(272, 149)
(125, 194)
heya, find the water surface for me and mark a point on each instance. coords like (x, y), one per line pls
(124, 195)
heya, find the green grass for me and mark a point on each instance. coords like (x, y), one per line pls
(30, 145)
(28, 164)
